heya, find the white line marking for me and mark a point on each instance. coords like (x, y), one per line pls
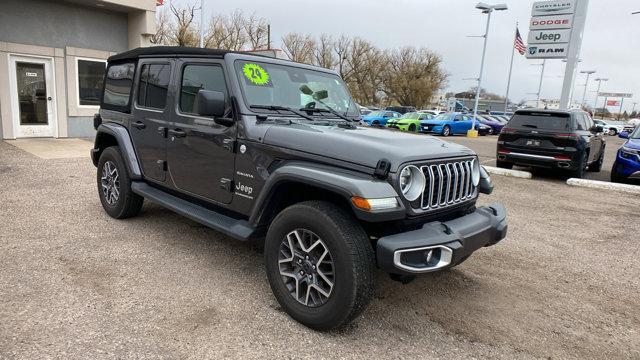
(506, 172)
(594, 184)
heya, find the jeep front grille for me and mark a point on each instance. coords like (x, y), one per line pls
(447, 184)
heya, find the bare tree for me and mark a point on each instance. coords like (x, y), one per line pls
(256, 30)
(182, 31)
(323, 54)
(163, 28)
(298, 47)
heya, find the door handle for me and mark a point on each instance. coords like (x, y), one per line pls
(177, 133)
(139, 125)
(49, 98)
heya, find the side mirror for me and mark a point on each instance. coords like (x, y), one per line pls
(624, 135)
(210, 103)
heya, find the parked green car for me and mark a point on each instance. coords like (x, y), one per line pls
(409, 121)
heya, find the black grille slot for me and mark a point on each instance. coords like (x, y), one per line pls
(447, 184)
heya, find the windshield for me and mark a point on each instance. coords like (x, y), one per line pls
(442, 117)
(376, 114)
(293, 87)
(411, 115)
(635, 134)
(547, 121)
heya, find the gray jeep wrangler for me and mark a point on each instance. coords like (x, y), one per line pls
(269, 150)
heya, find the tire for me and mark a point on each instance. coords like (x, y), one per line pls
(613, 132)
(490, 132)
(596, 166)
(504, 165)
(579, 172)
(125, 203)
(615, 177)
(413, 128)
(351, 256)
(446, 131)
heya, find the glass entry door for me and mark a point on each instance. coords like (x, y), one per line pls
(32, 93)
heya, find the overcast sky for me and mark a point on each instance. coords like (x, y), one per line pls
(610, 43)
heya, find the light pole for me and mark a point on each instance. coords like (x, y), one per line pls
(595, 104)
(544, 63)
(586, 83)
(486, 9)
(201, 23)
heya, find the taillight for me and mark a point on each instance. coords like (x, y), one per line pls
(566, 136)
(506, 152)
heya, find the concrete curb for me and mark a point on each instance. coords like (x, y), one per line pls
(506, 172)
(594, 184)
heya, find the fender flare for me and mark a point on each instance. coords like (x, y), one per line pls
(121, 134)
(345, 183)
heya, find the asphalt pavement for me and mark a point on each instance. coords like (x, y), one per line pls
(77, 284)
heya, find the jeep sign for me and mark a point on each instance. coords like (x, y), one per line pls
(547, 51)
(551, 22)
(555, 7)
(549, 36)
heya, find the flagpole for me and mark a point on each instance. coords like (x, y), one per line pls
(506, 97)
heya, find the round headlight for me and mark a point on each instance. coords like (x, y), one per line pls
(475, 172)
(412, 182)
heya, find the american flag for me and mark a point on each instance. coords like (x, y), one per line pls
(518, 44)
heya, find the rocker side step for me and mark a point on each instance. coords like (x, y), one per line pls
(239, 229)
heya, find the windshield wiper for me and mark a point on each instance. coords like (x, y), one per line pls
(281, 108)
(329, 110)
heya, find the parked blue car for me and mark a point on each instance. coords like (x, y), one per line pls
(379, 118)
(626, 168)
(453, 123)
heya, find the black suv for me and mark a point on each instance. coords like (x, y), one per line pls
(268, 150)
(567, 140)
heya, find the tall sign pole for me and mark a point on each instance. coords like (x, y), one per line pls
(513, 52)
(575, 45)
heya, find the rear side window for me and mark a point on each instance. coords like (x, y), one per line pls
(544, 121)
(196, 78)
(581, 122)
(117, 87)
(153, 85)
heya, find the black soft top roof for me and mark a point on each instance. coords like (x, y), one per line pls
(172, 51)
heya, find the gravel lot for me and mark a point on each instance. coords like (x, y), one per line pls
(78, 284)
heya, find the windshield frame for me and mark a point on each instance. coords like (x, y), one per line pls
(352, 109)
(635, 133)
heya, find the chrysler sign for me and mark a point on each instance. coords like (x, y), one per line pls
(547, 51)
(549, 36)
(555, 7)
(551, 22)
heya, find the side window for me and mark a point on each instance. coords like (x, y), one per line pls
(457, 118)
(580, 121)
(590, 123)
(117, 87)
(153, 85)
(423, 117)
(388, 114)
(196, 78)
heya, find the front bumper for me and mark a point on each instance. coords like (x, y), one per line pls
(440, 245)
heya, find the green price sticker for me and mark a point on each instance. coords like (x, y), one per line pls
(256, 74)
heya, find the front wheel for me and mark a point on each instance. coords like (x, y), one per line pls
(320, 264)
(446, 131)
(413, 128)
(597, 165)
(612, 132)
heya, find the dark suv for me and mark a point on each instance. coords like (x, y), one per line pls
(268, 150)
(567, 140)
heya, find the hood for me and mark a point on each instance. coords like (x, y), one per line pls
(363, 145)
(633, 143)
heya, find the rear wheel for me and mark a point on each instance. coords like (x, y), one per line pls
(413, 128)
(446, 131)
(320, 264)
(504, 165)
(579, 171)
(612, 131)
(597, 165)
(114, 186)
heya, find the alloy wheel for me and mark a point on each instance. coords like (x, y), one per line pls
(110, 183)
(306, 267)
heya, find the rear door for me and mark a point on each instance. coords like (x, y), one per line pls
(594, 139)
(200, 153)
(152, 113)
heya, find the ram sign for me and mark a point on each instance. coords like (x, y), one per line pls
(549, 36)
(547, 51)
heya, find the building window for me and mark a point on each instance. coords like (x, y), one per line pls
(90, 76)
(153, 86)
(196, 78)
(118, 86)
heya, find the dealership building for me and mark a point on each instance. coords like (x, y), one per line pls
(52, 60)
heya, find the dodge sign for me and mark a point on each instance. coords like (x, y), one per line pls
(551, 22)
